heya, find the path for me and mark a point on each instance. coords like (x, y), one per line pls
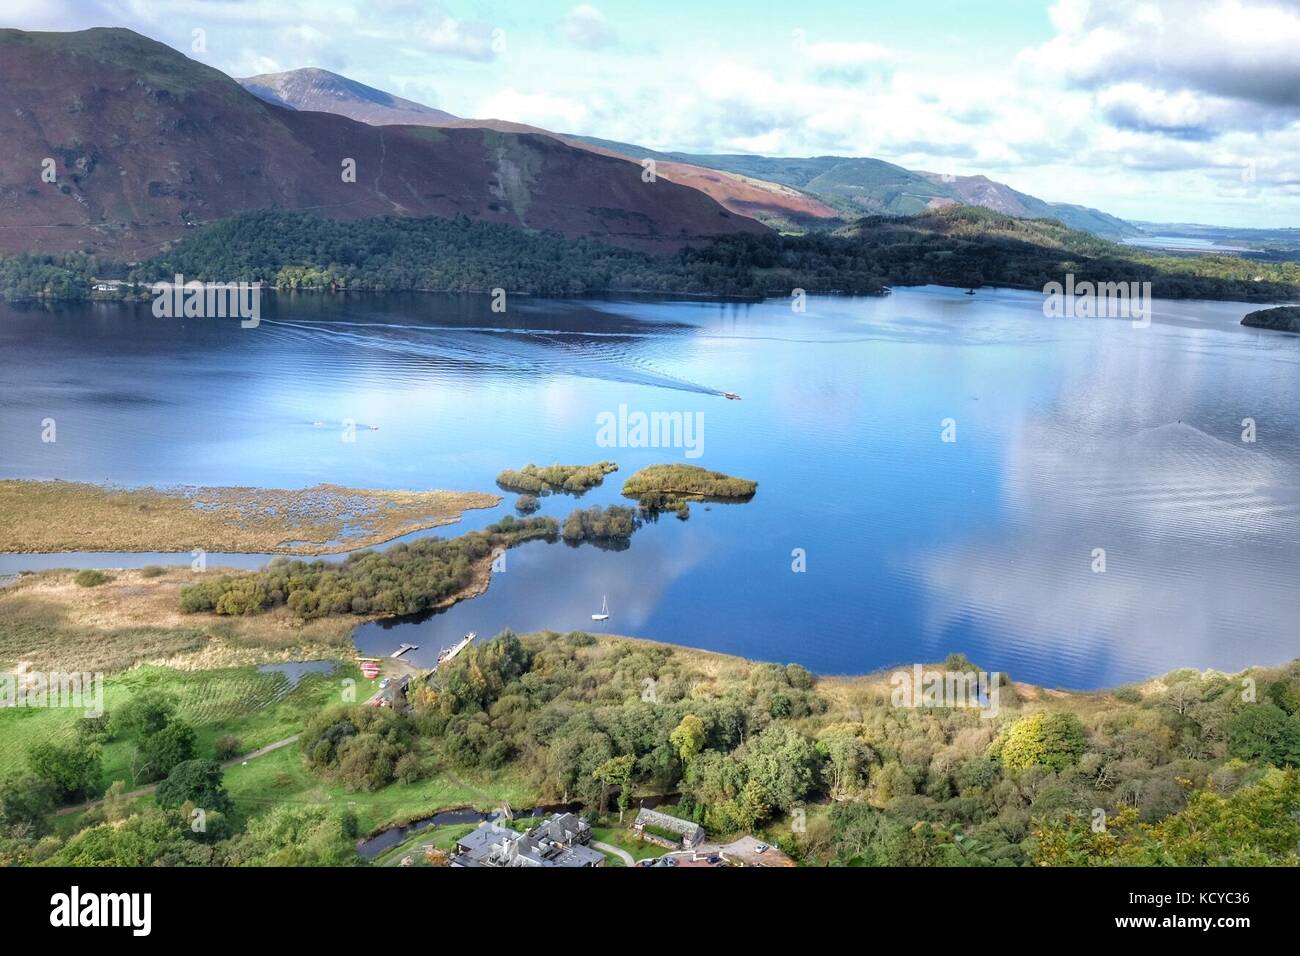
(609, 848)
(145, 791)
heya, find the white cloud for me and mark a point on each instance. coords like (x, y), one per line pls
(472, 41)
(587, 27)
(1239, 50)
(846, 62)
(557, 113)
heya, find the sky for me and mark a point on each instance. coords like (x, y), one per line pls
(1163, 110)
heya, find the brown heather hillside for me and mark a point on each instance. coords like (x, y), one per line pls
(148, 143)
(313, 89)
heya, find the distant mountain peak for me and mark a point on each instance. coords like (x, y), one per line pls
(316, 90)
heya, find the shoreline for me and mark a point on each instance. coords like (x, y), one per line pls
(258, 637)
(614, 294)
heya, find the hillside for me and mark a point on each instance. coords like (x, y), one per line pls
(147, 143)
(863, 186)
(796, 193)
(959, 246)
(774, 204)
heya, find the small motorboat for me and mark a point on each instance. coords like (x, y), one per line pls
(604, 611)
(317, 424)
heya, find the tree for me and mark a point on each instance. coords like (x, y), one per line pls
(197, 782)
(783, 762)
(24, 803)
(688, 737)
(145, 713)
(155, 837)
(617, 771)
(1255, 826)
(297, 836)
(1052, 740)
(847, 760)
(73, 769)
(1265, 731)
(157, 753)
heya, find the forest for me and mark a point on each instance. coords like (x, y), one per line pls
(1190, 769)
(956, 246)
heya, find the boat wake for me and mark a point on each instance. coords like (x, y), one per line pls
(510, 352)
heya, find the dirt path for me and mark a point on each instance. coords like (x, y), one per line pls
(145, 791)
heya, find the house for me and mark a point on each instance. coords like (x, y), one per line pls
(560, 841)
(654, 827)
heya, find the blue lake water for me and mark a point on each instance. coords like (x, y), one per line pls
(1071, 435)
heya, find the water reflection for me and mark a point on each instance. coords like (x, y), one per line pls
(1071, 435)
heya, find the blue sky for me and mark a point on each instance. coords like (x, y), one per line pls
(1171, 110)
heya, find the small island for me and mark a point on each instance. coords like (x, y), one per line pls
(555, 479)
(1284, 318)
(659, 488)
(688, 481)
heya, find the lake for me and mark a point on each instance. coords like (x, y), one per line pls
(1071, 435)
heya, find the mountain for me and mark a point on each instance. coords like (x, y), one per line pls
(313, 89)
(864, 186)
(146, 143)
(783, 193)
(324, 92)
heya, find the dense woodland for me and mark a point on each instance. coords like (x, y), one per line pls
(1188, 770)
(957, 246)
(407, 578)
(1192, 769)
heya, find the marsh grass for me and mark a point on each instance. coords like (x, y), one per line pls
(72, 516)
(50, 622)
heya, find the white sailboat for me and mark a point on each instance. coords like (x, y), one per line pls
(604, 611)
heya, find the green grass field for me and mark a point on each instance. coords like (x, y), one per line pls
(258, 708)
(625, 839)
(280, 778)
(441, 837)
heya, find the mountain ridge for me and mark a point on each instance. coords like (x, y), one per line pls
(800, 192)
(868, 186)
(145, 143)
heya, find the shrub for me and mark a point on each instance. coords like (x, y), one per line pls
(92, 579)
